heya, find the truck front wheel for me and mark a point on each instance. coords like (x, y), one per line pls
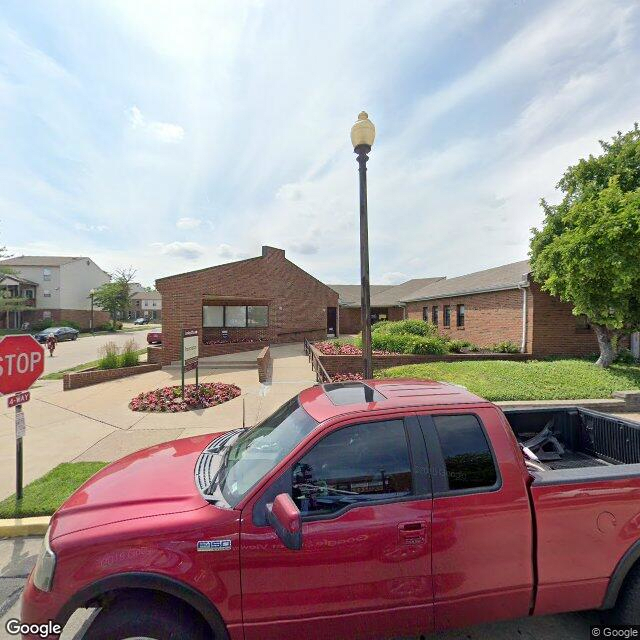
(151, 618)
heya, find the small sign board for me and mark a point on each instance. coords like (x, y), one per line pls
(190, 341)
(19, 398)
(21, 427)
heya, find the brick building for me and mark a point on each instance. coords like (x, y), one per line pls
(501, 304)
(386, 302)
(55, 288)
(246, 304)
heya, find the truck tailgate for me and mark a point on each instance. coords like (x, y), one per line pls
(586, 519)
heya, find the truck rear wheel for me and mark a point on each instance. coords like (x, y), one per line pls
(151, 618)
(627, 608)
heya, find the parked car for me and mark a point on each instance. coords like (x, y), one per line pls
(61, 334)
(141, 321)
(357, 510)
(154, 336)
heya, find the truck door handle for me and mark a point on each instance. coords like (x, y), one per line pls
(412, 532)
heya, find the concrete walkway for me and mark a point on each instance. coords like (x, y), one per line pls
(95, 423)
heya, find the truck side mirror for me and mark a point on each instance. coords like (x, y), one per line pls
(284, 516)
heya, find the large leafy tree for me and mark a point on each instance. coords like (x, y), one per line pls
(587, 251)
(9, 303)
(115, 296)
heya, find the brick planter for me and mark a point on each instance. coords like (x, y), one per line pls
(265, 365)
(353, 364)
(95, 376)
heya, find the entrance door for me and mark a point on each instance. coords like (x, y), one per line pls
(332, 316)
(364, 570)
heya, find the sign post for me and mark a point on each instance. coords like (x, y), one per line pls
(190, 350)
(21, 364)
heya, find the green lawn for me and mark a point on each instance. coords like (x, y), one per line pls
(534, 380)
(43, 496)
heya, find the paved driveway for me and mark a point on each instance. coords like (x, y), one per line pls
(86, 349)
(17, 557)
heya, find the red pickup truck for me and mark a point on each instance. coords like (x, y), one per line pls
(357, 510)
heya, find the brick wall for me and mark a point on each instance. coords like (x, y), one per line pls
(59, 316)
(353, 364)
(350, 321)
(297, 301)
(86, 378)
(556, 330)
(489, 317)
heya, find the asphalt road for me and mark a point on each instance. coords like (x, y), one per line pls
(17, 557)
(87, 349)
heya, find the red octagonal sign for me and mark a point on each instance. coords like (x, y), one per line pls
(21, 363)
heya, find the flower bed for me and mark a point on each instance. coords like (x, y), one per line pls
(346, 377)
(206, 340)
(332, 349)
(169, 399)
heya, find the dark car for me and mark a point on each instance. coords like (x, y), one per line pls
(61, 333)
(140, 321)
(154, 336)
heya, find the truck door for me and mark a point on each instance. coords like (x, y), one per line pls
(364, 569)
(482, 525)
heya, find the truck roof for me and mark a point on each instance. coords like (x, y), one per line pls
(333, 399)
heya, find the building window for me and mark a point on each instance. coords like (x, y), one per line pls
(28, 294)
(235, 316)
(213, 316)
(467, 457)
(446, 315)
(46, 315)
(425, 314)
(434, 314)
(46, 293)
(257, 316)
(460, 315)
(46, 275)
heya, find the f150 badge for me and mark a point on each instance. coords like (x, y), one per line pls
(214, 545)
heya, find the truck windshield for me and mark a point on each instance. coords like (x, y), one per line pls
(256, 451)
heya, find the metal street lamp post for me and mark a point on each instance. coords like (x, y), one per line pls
(91, 294)
(363, 134)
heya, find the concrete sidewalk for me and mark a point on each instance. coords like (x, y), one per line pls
(95, 423)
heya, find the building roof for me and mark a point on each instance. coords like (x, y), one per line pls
(349, 294)
(15, 278)
(146, 295)
(40, 261)
(383, 295)
(508, 276)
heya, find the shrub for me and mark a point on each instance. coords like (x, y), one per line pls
(411, 327)
(72, 324)
(408, 343)
(109, 358)
(129, 356)
(456, 346)
(41, 325)
(506, 347)
(625, 357)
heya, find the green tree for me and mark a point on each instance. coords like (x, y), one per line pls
(587, 251)
(115, 296)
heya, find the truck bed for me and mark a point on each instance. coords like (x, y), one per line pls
(574, 438)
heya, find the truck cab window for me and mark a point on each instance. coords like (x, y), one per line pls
(359, 463)
(467, 457)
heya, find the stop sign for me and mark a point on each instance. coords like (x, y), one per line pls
(21, 363)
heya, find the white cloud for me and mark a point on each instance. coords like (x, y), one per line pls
(163, 131)
(91, 227)
(188, 223)
(186, 250)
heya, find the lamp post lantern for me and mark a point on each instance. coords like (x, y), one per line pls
(363, 134)
(91, 294)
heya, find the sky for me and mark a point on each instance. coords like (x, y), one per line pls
(171, 136)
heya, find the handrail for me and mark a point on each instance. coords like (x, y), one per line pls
(316, 365)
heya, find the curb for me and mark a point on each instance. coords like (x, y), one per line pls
(17, 527)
